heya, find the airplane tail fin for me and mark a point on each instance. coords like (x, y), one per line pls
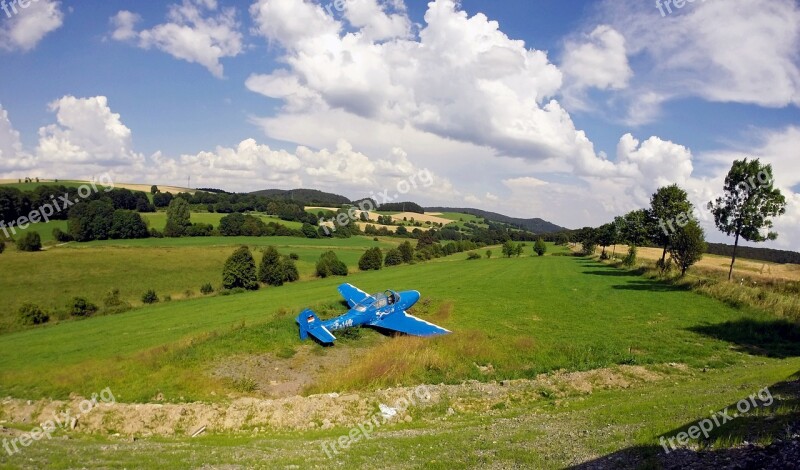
(310, 324)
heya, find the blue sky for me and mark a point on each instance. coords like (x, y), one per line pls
(572, 111)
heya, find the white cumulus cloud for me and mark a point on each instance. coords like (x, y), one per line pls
(26, 27)
(197, 31)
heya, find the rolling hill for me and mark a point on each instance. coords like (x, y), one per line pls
(535, 225)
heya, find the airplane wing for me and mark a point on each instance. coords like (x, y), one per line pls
(322, 334)
(352, 294)
(409, 324)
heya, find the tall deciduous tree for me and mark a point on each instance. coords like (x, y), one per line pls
(178, 217)
(671, 210)
(749, 203)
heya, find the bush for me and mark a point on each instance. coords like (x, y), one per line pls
(290, 270)
(630, 259)
(371, 260)
(112, 299)
(473, 255)
(61, 236)
(489, 254)
(2, 246)
(127, 225)
(407, 251)
(540, 247)
(150, 297)
(393, 257)
(275, 270)
(294, 256)
(330, 265)
(31, 241)
(30, 314)
(154, 233)
(269, 271)
(80, 307)
(240, 270)
(207, 289)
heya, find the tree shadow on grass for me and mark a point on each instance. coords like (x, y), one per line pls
(774, 421)
(650, 286)
(772, 338)
(610, 273)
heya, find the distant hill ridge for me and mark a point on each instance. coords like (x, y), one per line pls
(314, 197)
(535, 225)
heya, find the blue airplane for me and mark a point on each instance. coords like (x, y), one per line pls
(384, 310)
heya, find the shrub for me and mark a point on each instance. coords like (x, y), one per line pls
(393, 257)
(30, 314)
(207, 289)
(330, 265)
(127, 225)
(240, 270)
(155, 233)
(290, 270)
(489, 253)
(294, 256)
(150, 297)
(630, 259)
(371, 260)
(61, 236)
(112, 299)
(2, 246)
(270, 270)
(407, 251)
(589, 248)
(31, 241)
(540, 247)
(473, 255)
(80, 307)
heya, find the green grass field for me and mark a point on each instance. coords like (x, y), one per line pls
(517, 318)
(171, 266)
(524, 316)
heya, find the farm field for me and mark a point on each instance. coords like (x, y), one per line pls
(158, 220)
(721, 264)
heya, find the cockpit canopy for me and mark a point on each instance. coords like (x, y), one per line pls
(379, 300)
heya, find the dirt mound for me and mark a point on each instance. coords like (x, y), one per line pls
(253, 415)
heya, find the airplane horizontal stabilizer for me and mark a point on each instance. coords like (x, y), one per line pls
(322, 334)
(310, 324)
(409, 324)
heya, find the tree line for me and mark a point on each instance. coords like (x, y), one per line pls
(745, 211)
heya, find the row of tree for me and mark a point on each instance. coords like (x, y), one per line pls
(744, 211)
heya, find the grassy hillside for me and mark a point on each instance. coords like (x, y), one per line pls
(171, 266)
(523, 316)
